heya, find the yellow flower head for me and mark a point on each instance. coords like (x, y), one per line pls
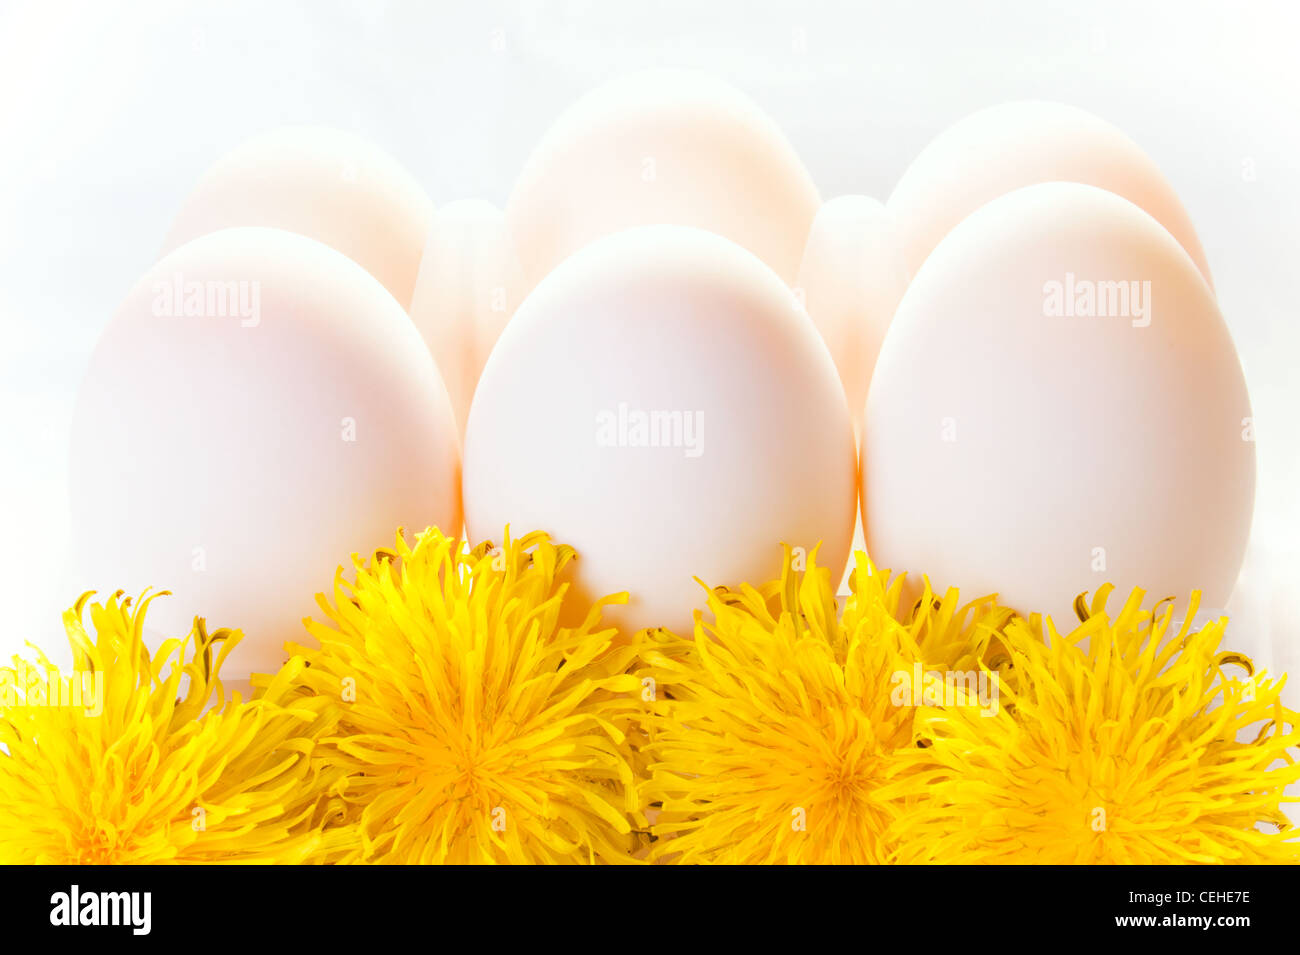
(118, 762)
(1123, 742)
(473, 727)
(777, 734)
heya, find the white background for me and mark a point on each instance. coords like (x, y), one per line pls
(109, 114)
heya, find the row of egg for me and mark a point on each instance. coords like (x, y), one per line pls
(1016, 368)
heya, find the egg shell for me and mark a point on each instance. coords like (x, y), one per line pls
(995, 150)
(238, 456)
(466, 291)
(663, 320)
(662, 146)
(326, 184)
(851, 279)
(1010, 446)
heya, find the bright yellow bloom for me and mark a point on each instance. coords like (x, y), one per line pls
(776, 735)
(473, 727)
(117, 762)
(1123, 742)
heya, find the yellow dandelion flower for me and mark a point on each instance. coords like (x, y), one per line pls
(118, 762)
(946, 634)
(472, 726)
(776, 734)
(1123, 742)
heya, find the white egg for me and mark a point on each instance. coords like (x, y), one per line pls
(662, 146)
(465, 294)
(326, 184)
(1002, 148)
(257, 410)
(661, 402)
(1058, 404)
(851, 279)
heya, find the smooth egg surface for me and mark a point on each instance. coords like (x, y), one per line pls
(258, 409)
(662, 147)
(326, 184)
(663, 404)
(993, 151)
(465, 293)
(1058, 404)
(852, 277)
